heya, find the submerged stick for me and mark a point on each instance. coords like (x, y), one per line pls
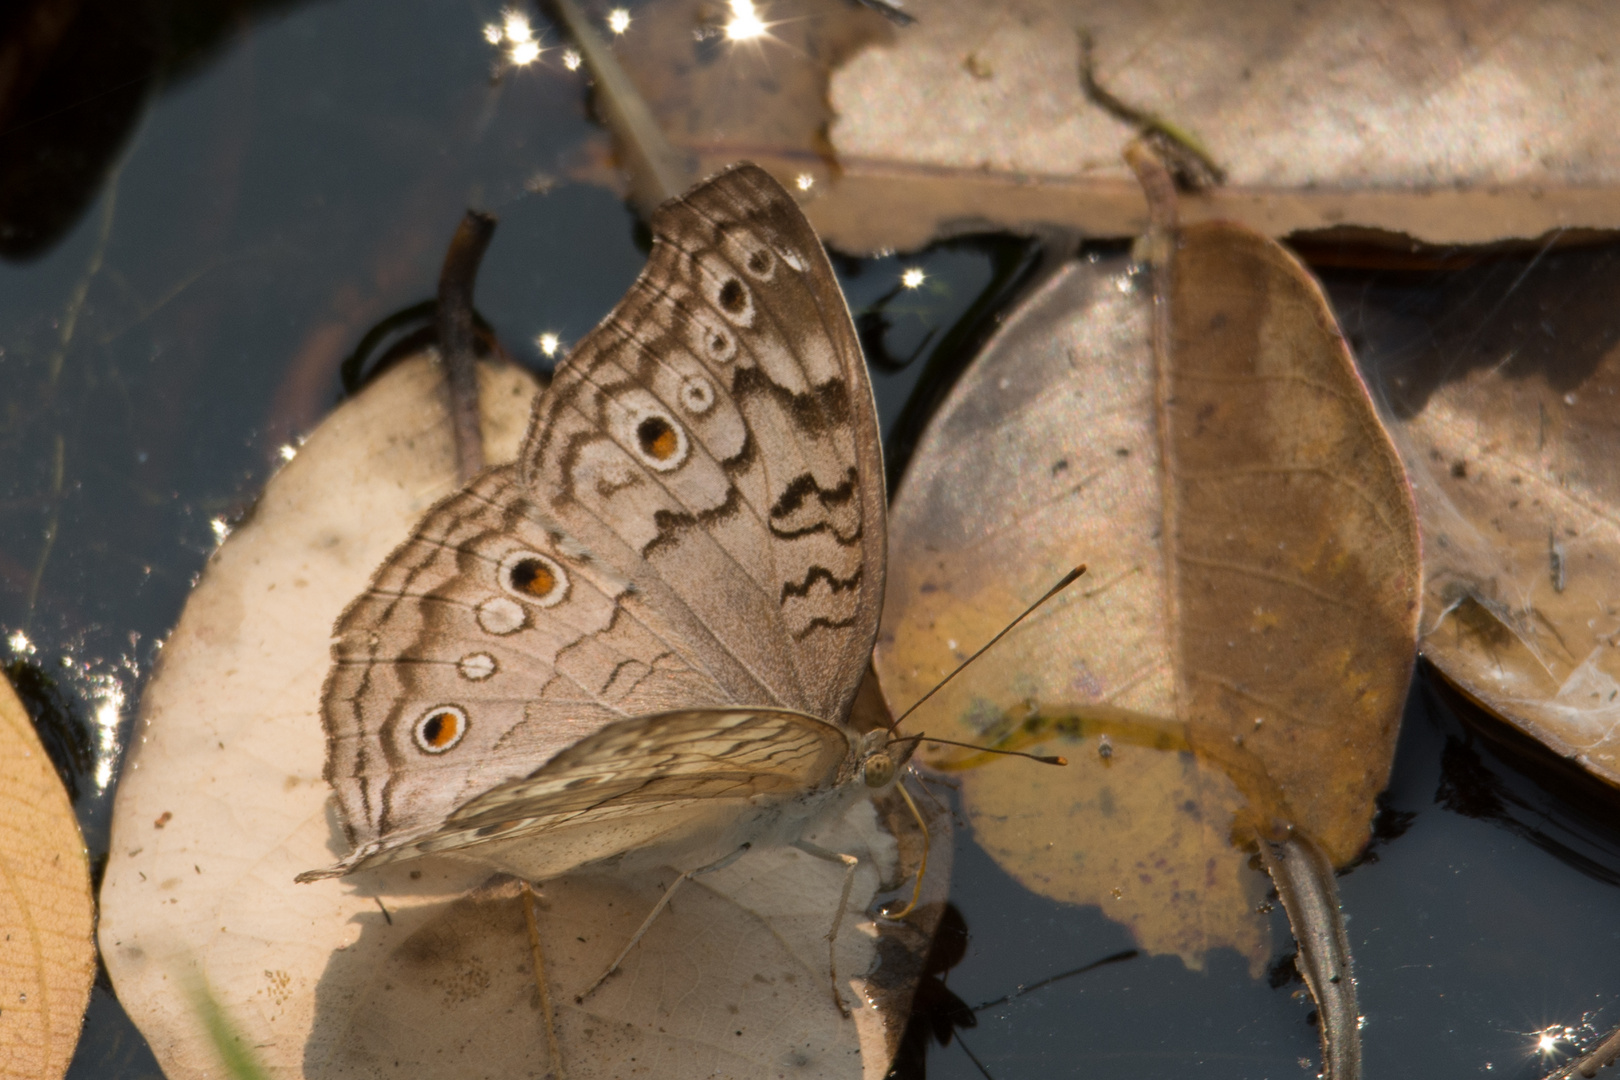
(657, 171)
(1305, 884)
(457, 336)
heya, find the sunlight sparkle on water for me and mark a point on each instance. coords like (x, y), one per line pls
(548, 343)
(287, 451)
(745, 23)
(492, 33)
(805, 181)
(220, 527)
(20, 645)
(913, 277)
(515, 26)
(108, 695)
(524, 52)
(571, 60)
(618, 20)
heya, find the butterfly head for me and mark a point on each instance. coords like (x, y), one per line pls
(877, 763)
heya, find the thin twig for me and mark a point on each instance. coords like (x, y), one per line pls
(1188, 159)
(538, 956)
(657, 171)
(457, 337)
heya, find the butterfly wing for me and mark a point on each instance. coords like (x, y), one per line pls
(657, 780)
(695, 520)
(718, 429)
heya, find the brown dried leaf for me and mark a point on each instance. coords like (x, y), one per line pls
(47, 957)
(419, 964)
(1273, 636)
(1510, 433)
(729, 101)
(1448, 123)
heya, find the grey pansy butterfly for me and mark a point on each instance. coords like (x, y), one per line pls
(638, 644)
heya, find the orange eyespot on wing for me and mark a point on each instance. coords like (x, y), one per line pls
(440, 729)
(657, 438)
(534, 577)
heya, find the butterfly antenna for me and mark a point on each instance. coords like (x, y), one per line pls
(1044, 759)
(1068, 579)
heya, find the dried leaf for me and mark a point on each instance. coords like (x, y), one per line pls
(727, 101)
(47, 957)
(418, 963)
(1507, 421)
(1272, 636)
(1449, 124)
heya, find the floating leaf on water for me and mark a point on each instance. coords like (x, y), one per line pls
(427, 962)
(977, 115)
(1507, 417)
(1238, 655)
(47, 956)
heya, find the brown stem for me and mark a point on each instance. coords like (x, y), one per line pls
(457, 337)
(1305, 884)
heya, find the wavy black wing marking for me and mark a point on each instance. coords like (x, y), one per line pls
(737, 336)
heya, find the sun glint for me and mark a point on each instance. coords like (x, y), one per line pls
(913, 277)
(516, 27)
(571, 60)
(524, 52)
(618, 20)
(548, 343)
(805, 181)
(745, 23)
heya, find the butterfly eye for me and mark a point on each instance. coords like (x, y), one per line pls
(440, 729)
(878, 769)
(532, 576)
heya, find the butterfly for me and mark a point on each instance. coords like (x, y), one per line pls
(638, 644)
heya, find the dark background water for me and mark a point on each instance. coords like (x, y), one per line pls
(204, 207)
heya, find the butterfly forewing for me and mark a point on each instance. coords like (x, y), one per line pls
(695, 523)
(765, 518)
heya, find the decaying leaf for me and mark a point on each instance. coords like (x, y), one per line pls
(1241, 646)
(1452, 124)
(727, 100)
(47, 917)
(1508, 420)
(427, 963)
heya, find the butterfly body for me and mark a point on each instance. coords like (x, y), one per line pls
(638, 644)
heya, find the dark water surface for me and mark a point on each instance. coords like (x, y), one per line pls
(267, 183)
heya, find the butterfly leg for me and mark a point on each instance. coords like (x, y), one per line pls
(849, 862)
(546, 1011)
(646, 924)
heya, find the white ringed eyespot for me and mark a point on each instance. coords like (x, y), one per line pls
(697, 394)
(533, 578)
(440, 728)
